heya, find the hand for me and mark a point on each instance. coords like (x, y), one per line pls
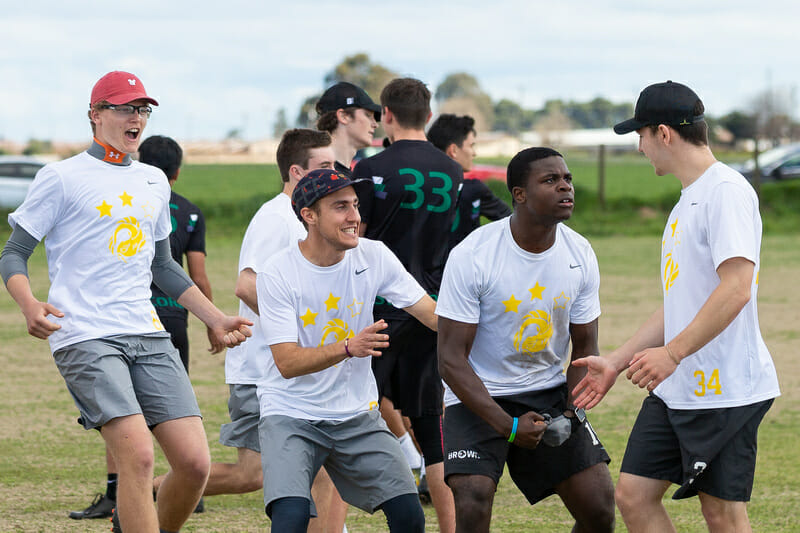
(231, 331)
(600, 377)
(530, 428)
(369, 340)
(216, 345)
(650, 367)
(36, 319)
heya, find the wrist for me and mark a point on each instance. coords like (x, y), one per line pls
(347, 349)
(514, 426)
(671, 355)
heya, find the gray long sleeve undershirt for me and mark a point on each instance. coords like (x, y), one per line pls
(16, 252)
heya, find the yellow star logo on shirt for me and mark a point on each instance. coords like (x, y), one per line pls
(309, 318)
(105, 209)
(560, 301)
(537, 291)
(674, 226)
(512, 304)
(332, 302)
(355, 307)
(126, 199)
(148, 210)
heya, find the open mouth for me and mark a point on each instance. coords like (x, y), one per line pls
(350, 231)
(567, 202)
(132, 134)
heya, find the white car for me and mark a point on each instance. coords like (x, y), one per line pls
(16, 175)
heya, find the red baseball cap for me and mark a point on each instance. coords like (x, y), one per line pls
(119, 87)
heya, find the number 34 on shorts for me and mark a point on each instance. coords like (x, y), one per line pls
(707, 386)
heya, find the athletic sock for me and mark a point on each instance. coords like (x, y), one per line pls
(410, 451)
(111, 487)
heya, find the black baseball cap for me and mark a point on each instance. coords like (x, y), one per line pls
(343, 95)
(666, 103)
(320, 183)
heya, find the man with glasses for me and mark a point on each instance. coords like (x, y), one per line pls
(106, 218)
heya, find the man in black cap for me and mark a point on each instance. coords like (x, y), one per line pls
(318, 397)
(700, 355)
(348, 113)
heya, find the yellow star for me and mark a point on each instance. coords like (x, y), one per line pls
(560, 301)
(148, 210)
(674, 226)
(537, 291)
(126, 199)
(309, 318)
(355, 308)
(332, 302)
(512, 304)
(105, 209)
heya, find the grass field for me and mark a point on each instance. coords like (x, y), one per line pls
(50, 465)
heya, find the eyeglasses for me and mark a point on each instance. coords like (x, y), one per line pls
(128, 109)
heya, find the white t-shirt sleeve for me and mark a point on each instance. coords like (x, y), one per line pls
(42, 206)
(587, 303)
(397, 285)
(276, 308)
(731, 224)
(260, 243)
(459, 295)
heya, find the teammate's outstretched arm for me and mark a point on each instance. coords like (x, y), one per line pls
(293, 360)
(584, 344)
(602, 372)
(455, 343)
(424, 311)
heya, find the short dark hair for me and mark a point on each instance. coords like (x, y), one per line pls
(520, 165)
(162, 152)
(409, 100)
(695, 133)
(295, 146)
(329, 121)
(450, 129)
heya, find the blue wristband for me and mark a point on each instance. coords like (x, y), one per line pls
(513, 430)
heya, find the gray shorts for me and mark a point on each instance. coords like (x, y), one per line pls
(127, 375)
(242, 431)
(362, 457)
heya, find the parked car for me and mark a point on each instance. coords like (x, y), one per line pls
(16, 175)
(779, 163)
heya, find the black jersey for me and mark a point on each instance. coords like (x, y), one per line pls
(476, 200)
(188, 235)
(411, 207)
(341, 169)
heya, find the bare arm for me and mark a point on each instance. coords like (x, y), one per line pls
(246, 289)
(293, 360)
(228, 330)
(424, 311)
(455, 344)
(650, 367)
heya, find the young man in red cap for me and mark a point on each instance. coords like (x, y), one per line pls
(700, 355)
(348, 113)
(106, 219)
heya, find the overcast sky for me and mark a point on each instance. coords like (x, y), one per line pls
(217, 66)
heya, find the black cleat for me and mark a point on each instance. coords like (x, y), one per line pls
(115, 527)
(201, 507)
(101, 507)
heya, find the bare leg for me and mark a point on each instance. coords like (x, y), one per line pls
(474, 497)
(639, 501)
(131, 446)
(331, 509)
(184, 444)
(441, 497)
(589, 497)
(243, 476)
(724, 515)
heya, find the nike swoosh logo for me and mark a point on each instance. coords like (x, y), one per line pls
(360, 271)
(151, 182)
(694, 203)
(574, 266)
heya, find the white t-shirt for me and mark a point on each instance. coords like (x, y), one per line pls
(715, 219)
(315, 306)
(523, 304)
(101, 222)
(273, 228)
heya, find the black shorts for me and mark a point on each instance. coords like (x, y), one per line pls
(473, 447)
(177, 329)
(705, 450)
(408, 371)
